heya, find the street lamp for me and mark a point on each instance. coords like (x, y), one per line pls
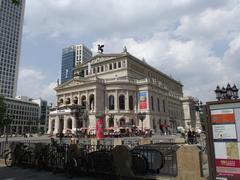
(141, 116)
(226, 93)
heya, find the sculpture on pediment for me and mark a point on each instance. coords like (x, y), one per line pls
(100, 48)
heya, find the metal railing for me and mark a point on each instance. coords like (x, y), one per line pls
(161, 158)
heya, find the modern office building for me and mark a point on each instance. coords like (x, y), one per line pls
(23, 114)
(72, 56)
(11, 23)
(43, 114)
(119, 86)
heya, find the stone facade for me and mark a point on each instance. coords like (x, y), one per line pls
(118, 86)
(191, 116)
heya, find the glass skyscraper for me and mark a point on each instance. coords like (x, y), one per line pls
(11, 23)
(72, 56)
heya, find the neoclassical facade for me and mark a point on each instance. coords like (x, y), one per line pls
(119, 86)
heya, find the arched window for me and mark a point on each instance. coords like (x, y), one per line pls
(130, 103)
(68, 101)
(75, 100)
(122, 122)
(91, 102)
(111, 102)
(83, 101)
(122, 102)
(60, 101)
(69, 123)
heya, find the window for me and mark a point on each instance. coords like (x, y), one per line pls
(164, 108)
(110, 66)
(111, 102)
(119, 64)
(91, 102)
(158, 102)
(130, 103)
(152, 102)
(115, 65)
(122, 102)
(101, 68)
(83, 101)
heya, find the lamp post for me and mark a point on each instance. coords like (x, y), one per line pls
(226, 93)
(141, 116)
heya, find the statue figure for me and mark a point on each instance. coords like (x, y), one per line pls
(100, 48)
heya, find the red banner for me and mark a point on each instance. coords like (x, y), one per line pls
(99, 128)
(228, 168)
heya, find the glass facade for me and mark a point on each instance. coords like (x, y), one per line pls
(68, 60)
(72, 56)
(11, 22)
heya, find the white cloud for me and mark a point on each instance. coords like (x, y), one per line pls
(179, 37)
(32, 83)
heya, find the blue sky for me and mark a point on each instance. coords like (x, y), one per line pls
(196, 42)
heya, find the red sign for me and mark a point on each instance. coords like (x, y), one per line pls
(228, 168)
(222, 116)
(99, 128)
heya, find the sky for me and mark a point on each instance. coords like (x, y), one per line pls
(195, 42)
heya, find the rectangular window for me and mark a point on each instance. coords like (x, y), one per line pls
(119, 64)
(164, 108)
(115, 65)
(158, 105)
(102, 68)
(110, 66)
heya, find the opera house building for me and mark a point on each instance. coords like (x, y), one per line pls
(120, 88)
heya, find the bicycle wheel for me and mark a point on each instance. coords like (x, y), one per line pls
(25, 160)
(8, 159)
(70, 167)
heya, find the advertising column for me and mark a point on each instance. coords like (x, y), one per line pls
(99, 126)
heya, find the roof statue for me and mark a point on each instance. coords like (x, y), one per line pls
(100, 48)
(125, 49)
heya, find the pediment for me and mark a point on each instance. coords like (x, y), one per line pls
(71, 83)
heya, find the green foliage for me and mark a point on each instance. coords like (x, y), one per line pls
(203, 121)
(2, 112)
(16, 2)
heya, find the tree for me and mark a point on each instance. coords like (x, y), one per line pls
(2, 112)
(16, 2)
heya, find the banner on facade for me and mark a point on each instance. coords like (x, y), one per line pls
(143, 100)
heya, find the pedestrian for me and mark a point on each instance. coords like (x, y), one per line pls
(161, 128)
(189, 135)
(61, 137)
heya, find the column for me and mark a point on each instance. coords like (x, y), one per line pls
(49, 126)
(116, 105)
(65, 119)
(126, 101)
(74, 124)
(56, 128)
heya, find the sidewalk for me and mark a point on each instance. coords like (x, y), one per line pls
(15, 173)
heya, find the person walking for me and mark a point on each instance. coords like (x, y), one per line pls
(189, 135)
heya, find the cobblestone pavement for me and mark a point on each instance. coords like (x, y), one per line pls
(15, 173)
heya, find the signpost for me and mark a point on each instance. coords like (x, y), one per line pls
(224, 139)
